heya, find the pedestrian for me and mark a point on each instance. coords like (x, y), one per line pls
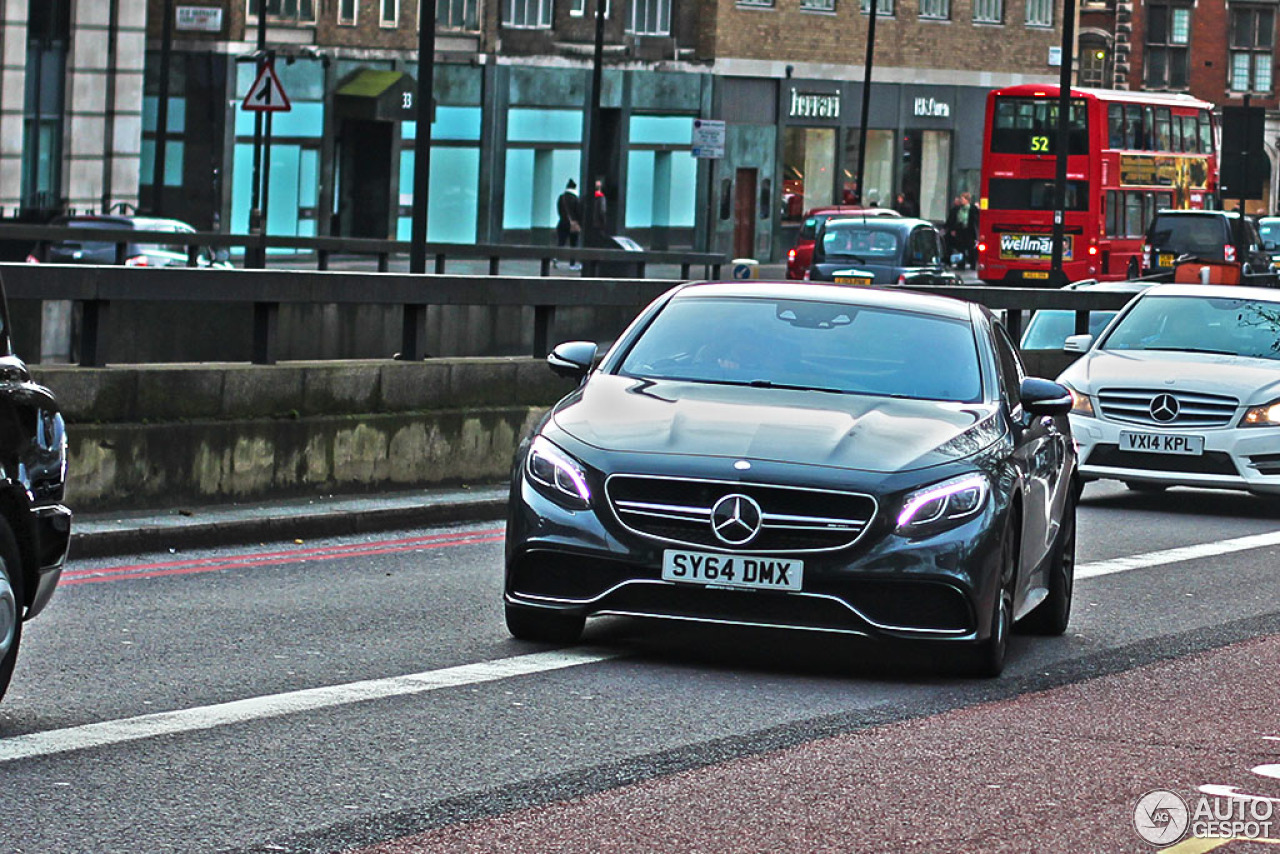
(569, 222)
(599, 209)
(962, 232)
(905, 204)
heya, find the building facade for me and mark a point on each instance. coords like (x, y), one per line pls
(71, 105)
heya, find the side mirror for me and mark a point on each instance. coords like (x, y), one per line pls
(1044, 397)
(1077, 343)
(573, 359)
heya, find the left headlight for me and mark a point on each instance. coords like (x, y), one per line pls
(557, 475)
(1267, 415)
(943, 505)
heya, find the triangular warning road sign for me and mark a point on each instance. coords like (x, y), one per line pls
(266, 95)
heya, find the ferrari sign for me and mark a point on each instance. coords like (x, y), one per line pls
(266, 95)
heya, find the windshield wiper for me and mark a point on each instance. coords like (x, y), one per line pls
(790, 387)
(1193, 350)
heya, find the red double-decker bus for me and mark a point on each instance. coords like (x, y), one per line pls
(1130, 154)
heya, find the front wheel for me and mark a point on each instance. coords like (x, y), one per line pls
(543, 625)
(10, 605)
(1052, 615)
(985, 659)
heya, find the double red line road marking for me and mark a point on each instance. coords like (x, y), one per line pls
(72, 576)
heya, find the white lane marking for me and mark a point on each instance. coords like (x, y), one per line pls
(256, 708)
(1142, 561)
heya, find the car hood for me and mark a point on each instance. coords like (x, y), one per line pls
(1237, 376)
(862, 432)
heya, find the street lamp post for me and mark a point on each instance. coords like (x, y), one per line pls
(162, 107)
(591, 206)
(1057, 277)
(866, 104)
(422, 135)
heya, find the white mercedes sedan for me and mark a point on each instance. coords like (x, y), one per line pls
(1182, 388)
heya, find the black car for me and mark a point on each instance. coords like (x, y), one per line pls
(1224, 238)
(35, 529)
(862, 250)
(853, 460)
(170, 251)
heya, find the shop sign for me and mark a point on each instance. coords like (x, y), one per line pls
(814, 105)
(204, 19)
(708, 138)
(932, 107)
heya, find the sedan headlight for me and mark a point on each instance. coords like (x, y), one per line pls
(557, 475)
(943, 505)
(1081, 404)
(1267, 415)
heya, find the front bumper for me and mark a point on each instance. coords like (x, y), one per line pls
(53, 538)
(585, 564)
(1233, 458)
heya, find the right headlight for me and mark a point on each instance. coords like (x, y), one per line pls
(943, 505)
(557, 475)
(1266, 415)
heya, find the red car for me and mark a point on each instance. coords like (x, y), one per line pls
(799, 256)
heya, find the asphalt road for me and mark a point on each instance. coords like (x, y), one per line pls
(330, 695)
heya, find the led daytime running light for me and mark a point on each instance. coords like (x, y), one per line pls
(942, 494)
(568, 477)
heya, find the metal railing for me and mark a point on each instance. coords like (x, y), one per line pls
(103, 290)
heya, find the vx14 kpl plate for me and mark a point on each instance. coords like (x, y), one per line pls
(725, 570)
(1162, 443)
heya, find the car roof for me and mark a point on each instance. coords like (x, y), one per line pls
(1126, 286)
(829, 210)
(142, 223)
(901, 223)
(1228, 291)
(1212, 213)
(891, 298)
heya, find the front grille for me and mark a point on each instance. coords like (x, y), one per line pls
(1210, 462)
(794, 519)
(1194, 409)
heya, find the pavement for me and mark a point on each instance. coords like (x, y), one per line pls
(206, 526)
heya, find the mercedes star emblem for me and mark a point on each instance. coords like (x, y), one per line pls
(1164, 408)
(735, 519)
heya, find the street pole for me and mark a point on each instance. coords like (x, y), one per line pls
(591, 206)
(1056, 277)
(866, 105)
(255, 204)
(162, 108)
(422, 136)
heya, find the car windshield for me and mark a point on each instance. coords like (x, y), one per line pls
(1194, 324)
(1270, 230)
(811, 345)
(859, 241)
(1050, 328)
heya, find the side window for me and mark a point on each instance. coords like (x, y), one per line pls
(1011, 372)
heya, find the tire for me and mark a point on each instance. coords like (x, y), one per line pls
(11, 594)
(1139, 486)
(985, 658)
(544, 626)
(1051, 616)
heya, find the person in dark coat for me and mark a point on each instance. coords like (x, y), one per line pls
(962, 231)
(569, 213)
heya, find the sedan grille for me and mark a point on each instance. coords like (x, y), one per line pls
(784, 519)
(1163, 408)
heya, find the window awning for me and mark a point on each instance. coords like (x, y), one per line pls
(376, 95)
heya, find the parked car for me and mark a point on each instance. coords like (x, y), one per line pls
(170, 253)
(1224, 238)
(35, 528)
(789, 455)
(1183, 388)
(799, 256)
(1049, 328)
(879, 251)
(1269, 229)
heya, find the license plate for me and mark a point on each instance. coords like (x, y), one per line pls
(1035, 274)
(721, 570)
(1166, 259)
(1162, 443)
(853, 280)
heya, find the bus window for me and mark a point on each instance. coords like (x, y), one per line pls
(1113, 214)
(1175, 133)
(1030, 126)
(1115, 125)
(1021, 194)
(1132, 126)
(1148, 128)
(1134, 224)
(1190, 136)
(1206, 133)
(1162, 129)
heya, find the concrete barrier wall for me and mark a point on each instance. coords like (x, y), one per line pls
(153, 436)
